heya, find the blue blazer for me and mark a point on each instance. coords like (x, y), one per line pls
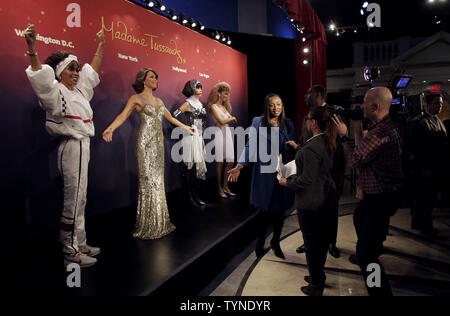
(266, 193)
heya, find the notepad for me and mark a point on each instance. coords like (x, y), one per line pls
(285, 170)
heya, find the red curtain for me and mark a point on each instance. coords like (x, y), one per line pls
(315, 72)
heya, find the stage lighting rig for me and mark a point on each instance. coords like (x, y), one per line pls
(172, 14)
(364, 8)
(192, 23)
(160, 5)
(201, 26)
(371, 74)
(183, 19)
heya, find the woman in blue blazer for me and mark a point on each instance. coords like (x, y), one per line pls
(271, 199)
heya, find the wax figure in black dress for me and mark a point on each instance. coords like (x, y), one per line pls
(194, 158)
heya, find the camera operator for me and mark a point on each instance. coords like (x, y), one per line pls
(377, 156)
(428, 141)
(316, 97)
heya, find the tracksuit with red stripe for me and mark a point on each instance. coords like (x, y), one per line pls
(69, 114)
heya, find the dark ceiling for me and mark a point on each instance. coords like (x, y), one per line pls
(415, 18)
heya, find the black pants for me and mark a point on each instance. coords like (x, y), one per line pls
(426, 195)
(334, 210)
(270, 218)
(371, 220)
(315, 227)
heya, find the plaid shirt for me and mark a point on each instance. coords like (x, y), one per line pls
(378, 158)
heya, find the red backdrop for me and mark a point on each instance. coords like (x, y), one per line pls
(135, 38)
(305, 15)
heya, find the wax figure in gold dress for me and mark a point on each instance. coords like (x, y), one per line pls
(152, 219)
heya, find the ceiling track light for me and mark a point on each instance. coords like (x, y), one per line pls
(192, 23)
(183, 19)
(200, 25)
(216, 35)
(160, 5)
(172, 14)
(228, 40)
(150, 4)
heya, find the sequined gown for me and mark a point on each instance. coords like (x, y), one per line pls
(152, 219)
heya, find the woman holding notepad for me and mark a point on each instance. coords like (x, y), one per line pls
(270, 198)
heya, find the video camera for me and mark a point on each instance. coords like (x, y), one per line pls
(398, 108)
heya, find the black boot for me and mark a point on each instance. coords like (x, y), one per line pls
(277, 249)
(301, 249)
(192, 199)
(334, 251)
(259, 249)
(312, 290)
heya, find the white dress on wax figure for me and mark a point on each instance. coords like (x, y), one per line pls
(69, 114)
(223, 139)
(195, 143)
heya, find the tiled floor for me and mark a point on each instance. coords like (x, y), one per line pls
(416, 265)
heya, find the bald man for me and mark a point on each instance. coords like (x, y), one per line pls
(377, 156)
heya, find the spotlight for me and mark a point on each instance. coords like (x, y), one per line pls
(192, 22)
(228, 40)
(305, 62)
(173, 14)
(160, 5)
(304, 39)
(371, 74)
(332, 27)
(183, 19)
(306, 50)
(217, 35)
(202, 27)
(364, 7)
(151, 4)
(224, 39)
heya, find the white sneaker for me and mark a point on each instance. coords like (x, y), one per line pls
(89, 251)
(81, 259)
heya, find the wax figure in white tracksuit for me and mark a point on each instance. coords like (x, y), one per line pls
(195, 157)
(69, 114)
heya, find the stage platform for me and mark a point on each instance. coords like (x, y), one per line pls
(180, 264)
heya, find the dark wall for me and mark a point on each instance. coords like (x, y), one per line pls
(271, 69)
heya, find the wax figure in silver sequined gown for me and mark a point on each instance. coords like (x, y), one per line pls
(194, 158)
(152, 218)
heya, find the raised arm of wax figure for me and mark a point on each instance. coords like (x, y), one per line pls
(134, 103)
(97, 59)
(30, 38)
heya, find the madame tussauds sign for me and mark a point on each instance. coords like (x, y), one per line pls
(119, 31)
